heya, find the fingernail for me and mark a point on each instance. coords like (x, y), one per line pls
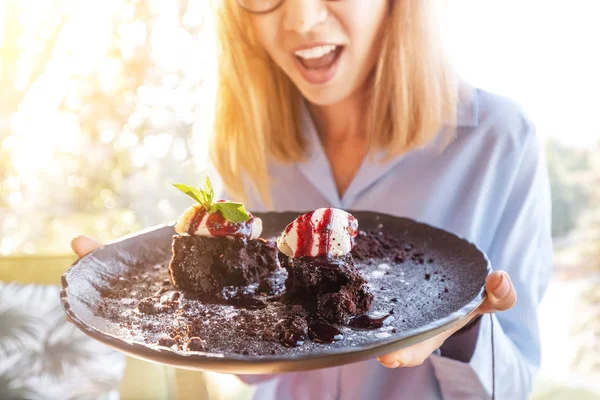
(395, 364)
(502, 289)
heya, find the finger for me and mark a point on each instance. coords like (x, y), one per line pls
(83, 245)
(415, 355)
(408, 357)
(501, 293)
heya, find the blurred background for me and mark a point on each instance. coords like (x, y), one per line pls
(103, 104)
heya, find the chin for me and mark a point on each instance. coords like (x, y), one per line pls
(326, 96)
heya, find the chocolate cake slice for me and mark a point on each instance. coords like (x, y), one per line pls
(207, 264)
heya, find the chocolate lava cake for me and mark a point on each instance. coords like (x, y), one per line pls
(217, 245)
(315, 251)
(330, 288)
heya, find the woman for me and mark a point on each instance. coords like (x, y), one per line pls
(352, 104)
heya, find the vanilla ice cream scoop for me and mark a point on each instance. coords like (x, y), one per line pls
(322, 232)
(196, 221)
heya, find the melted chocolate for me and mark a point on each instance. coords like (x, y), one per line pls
(242, 297)
(364, 322)
(321, 332)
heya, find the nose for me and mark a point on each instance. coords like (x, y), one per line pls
(303, 16)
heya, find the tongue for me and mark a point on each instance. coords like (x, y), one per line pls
(321, 62)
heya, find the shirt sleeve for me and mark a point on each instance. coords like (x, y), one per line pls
(522, 246)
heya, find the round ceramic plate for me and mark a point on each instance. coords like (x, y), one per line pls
(434, 280)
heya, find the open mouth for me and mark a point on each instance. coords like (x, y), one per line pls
(318, 64)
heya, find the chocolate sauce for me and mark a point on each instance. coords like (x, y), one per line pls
(321, 332)
(331, 263)
(364, 322)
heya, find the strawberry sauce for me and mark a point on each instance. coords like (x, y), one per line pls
(196, 219)
(309, 234)
(306, 235)
(324, 231)
(218, 226)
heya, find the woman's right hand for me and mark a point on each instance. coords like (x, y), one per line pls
(83, 245)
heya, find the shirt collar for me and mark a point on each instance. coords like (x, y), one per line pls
(317, 170)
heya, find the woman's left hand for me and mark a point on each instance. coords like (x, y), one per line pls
(501, 295)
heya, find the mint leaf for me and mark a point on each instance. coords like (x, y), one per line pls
(232, 212)
(210, 193)
(194, 193)
(204, 197)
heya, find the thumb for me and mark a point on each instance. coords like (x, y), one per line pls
(83, 245)
(501, 294)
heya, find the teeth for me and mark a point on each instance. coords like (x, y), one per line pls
(316, 52)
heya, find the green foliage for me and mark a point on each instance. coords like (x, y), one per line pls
(16, 328)
(123, 116)
(43, 356)
(588, 329)
(569, 197)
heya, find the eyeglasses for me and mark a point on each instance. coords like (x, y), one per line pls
(259, 6)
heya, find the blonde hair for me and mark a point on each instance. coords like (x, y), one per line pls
(414, 94)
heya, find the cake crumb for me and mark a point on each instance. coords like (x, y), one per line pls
(166, 341)
(195, 344)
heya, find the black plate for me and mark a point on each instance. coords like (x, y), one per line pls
(432, 296)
